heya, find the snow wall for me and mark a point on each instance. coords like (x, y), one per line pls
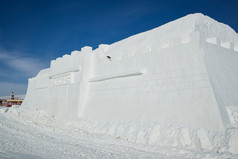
(175, 85)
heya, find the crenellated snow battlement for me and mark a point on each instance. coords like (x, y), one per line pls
(227, 45)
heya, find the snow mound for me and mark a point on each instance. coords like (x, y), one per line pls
(32, 133)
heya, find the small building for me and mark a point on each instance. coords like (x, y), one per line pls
(11, 100)
(14, 102)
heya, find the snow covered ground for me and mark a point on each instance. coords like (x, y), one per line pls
(33, 134)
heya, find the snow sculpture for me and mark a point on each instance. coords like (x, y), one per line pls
(182, 74)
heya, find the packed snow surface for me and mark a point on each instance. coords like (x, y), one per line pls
(30, 133)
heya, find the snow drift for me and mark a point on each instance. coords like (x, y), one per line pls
(175, 85)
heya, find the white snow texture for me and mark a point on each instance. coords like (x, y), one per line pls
(175, 86)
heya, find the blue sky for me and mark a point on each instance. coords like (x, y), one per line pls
(33, 32)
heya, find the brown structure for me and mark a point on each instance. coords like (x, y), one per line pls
(14, 102)
(9, 102)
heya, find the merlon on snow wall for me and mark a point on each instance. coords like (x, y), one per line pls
(184, 72)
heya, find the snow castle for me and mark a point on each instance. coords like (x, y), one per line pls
(183, 74)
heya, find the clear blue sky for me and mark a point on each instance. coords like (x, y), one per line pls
(33, 32)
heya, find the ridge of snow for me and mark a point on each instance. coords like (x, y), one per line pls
(30, 133)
